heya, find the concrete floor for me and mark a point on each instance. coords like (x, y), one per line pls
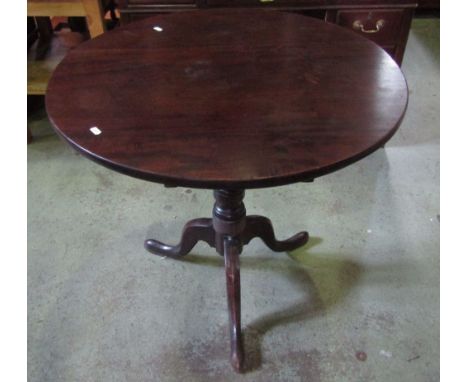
(359, 303)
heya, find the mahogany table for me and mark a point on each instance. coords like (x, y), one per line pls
(227, 101)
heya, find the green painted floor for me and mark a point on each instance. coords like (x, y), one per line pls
(359, 303)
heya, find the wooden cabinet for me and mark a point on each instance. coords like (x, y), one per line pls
(386, 22)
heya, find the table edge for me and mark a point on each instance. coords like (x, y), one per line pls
(214, 184)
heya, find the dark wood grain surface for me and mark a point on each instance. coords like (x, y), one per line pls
(237, 99)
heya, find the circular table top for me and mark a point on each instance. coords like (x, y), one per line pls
(227, 99)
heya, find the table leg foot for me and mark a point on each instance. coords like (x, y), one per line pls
(260, 226)
(232, 249)
(194, 231)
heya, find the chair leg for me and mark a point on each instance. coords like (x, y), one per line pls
(30, 137)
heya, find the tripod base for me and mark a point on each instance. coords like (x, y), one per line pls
(228, 231)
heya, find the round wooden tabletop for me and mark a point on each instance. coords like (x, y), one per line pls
(227, 99)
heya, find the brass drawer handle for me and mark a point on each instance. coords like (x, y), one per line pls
(266, 1)
(358, 25)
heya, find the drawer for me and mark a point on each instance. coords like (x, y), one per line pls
(259, 3)
(380, 25)
(156, 3)
(127, 16)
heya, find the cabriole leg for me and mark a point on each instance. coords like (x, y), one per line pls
(231, 265)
